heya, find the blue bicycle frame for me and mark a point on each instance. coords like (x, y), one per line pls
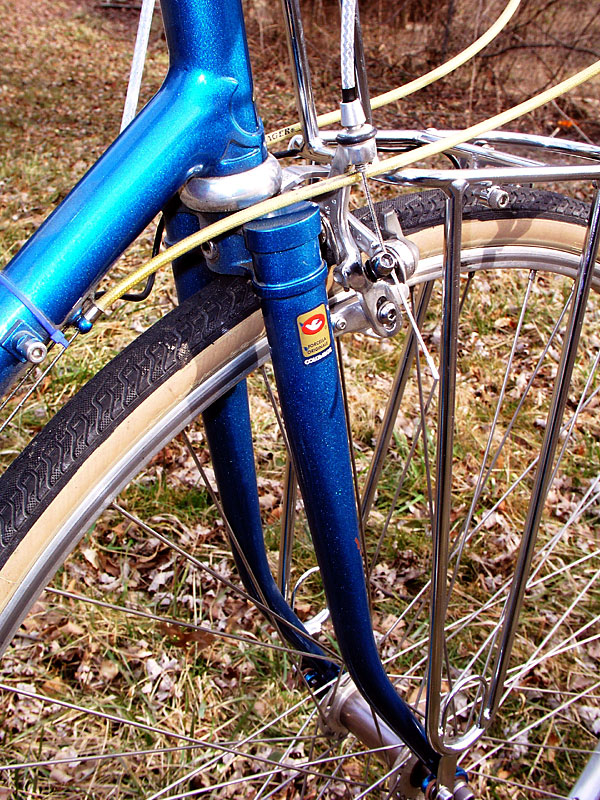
(203, 122)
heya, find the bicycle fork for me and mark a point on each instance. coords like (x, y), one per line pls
(289, 276)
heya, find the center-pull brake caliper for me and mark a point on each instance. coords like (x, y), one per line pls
(376, 268)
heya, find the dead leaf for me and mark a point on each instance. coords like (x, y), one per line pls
(108, 670)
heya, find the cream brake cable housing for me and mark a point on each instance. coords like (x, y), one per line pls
(326, 185)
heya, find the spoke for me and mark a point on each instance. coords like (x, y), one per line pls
(559, 748)
(275, 406)
(423, 409)
(50, 762)
(221, 578)
(175, 622)
(251, 739)
(288, 526)
(325, 788)
(110, 717)
(230, 531)
(393, 406)
(508, 782)
(329, 779)
(379, 782)
(560, 620)
(361, 521)
(400, 483)
(271, 615)
(527, 388)
(286, 755)
(564, 648)
(550, 715)
(312, 755)
(574, 418)
(34, 386)
(463, 536)
(459, 625)
(465, 294)
(308, 768)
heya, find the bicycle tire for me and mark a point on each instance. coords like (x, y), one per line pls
(116, 424)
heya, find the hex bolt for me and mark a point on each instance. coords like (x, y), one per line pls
(387, 314)
(493, 196)
(209, 250)
(31, 349)
(498, 198)
(383, 264)
(340, 324)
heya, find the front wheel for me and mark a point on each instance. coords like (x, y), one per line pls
(142, 671)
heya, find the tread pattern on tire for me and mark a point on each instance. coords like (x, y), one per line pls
(37, 475)
(423, 210)
(39, 472)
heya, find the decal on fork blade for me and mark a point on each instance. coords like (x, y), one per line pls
(315, 339)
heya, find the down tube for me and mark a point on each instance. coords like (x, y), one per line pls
(290, 280)
(201, 121)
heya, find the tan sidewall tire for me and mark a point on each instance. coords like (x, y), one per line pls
(39, 539)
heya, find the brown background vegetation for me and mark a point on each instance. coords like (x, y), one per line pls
(64, 67)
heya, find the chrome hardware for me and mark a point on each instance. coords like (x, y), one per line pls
(30, 348)
(438, 793)
(383, 308)
(356, 147)
(399, 256)
(339, 324)
(345, 710)
(210, 251)
(387, 313)
(233, 192)
(24, 343)
(353, 114)
(383, 264)
(462, 790)
(493, 196)
(349, 271)
(377, 306)
(314, 624)
(312, 145)
(347, 314)
(297, 174)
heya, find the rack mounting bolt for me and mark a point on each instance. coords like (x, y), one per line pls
(31, 349)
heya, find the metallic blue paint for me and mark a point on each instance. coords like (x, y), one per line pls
(290, 279)
(227, 426)
(202, 120)
(189, 271)
(229, 435)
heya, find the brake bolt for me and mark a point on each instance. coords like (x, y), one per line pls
(387, 313)
(209, 250)
(383, 264)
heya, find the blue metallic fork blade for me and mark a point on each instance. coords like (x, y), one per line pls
(290, 280)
